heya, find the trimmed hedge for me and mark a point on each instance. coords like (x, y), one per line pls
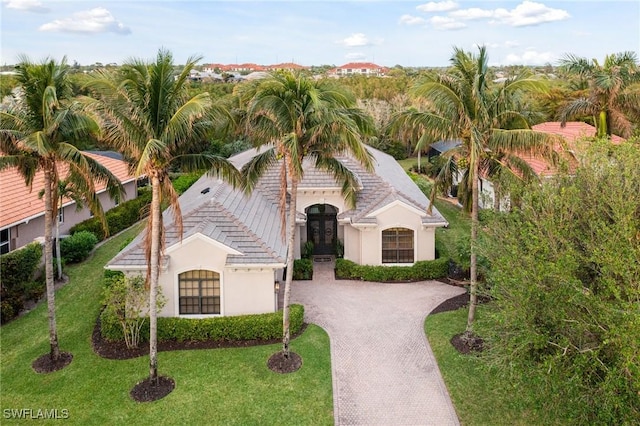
(419, 271)
(303, 269)
(18, 269)
(77, 247)
(234, 328)
(118, 218)
(184, 182)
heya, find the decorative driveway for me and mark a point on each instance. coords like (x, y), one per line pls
(384, 372)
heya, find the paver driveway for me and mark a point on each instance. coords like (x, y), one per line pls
(384, 372)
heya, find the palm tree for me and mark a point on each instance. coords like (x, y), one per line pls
(613, 98)
(299, 118)
(463, 105)
(38, 135)
(147, 115)
(72, 187)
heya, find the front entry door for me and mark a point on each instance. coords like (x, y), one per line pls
(322, 227)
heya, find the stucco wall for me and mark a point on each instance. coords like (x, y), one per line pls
(25, 233)
(397, 217)
(242, 290)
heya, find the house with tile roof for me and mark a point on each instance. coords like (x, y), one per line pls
(22, 210)
(232, 250)
(358, 68)
(571, 132)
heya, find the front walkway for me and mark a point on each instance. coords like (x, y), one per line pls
(384, 372)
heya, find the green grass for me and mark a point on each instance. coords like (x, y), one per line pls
(220, 386)
(407, 163)
(480, 394)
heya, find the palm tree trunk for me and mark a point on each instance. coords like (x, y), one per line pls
(154, 263)
(48, 263)
(286, 335)
(58, 254)
(473, 286)
(602, 130)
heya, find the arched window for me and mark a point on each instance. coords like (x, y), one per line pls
(397, 245)
(199, 292)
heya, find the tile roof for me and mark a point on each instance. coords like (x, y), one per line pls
(251, 224)
(19, 203)
(571, 132)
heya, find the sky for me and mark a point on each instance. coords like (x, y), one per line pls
(388, 33)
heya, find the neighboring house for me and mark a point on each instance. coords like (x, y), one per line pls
(571, 132)
(249, 67)
(233, 251)
(22, 210)
(359, 68)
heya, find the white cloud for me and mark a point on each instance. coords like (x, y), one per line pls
(530, 13)
(357, 39)
(445, 23)
(511, 43)
(27, 5)
(441, 6)
(355, 56)
(487, 45)
(525, 14)
(473, 13)
(530, 57)
(411, 20)
(97, 20)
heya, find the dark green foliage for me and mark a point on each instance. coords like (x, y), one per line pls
(307, 250)
(17, 270)
(118, 218)
(33, 290)
(421, 270)
(234, 328)
(184, 182)
(565, 278)
(77, 247)
(303, 269)
(18, 266)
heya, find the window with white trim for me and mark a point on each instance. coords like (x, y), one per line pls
(61, 215)
(5, 239)
(199, 292)
(397, 245)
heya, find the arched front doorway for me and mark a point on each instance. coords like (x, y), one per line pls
(322, 228)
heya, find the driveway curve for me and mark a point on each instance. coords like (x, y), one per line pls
(384, 372)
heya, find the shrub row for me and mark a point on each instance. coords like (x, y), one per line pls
(18, 269)
(184, 182)
(303, 269)
(118, 218)
(234, 328)
(421, 270)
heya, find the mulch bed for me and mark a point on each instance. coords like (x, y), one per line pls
(467, 344)
(119, 350)
(147, 391)
(452, 304)
(278, 363)
(44, 364)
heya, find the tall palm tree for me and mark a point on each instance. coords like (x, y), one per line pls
(147, 115)
(463, 105)
(299, 118)
(613, 98)
(72, 187)
(38, 135)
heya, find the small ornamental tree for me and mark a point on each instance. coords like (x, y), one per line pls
(126, 299)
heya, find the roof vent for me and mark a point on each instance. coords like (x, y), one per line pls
(206, 190)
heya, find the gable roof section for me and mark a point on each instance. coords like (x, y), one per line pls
(247, 224)
(19, 204)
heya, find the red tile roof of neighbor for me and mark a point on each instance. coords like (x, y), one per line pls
(359, 65)
(18, 203)
(572, 131)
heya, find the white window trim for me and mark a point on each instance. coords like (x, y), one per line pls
(176, 292)
(415, 245)
(8, 241)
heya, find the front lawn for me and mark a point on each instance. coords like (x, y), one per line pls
(220, 386)
(480, 393)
